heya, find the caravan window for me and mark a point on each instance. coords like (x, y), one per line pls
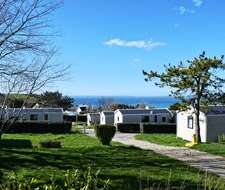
(190, 122)
(155, 119)
(163, 119)
(46, 117)
(145, 119)
(33, 117)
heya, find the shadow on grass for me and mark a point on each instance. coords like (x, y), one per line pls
(15, 143)
(120, 164)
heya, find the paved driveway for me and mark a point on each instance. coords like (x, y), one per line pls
(195, 158)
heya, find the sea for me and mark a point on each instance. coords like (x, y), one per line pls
(159, 102)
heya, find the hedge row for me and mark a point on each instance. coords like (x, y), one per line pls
(147, 128)
(79, 118)
(128, 127)
(40, 128)
(82, 118)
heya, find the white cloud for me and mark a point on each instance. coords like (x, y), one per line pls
(176, 25)
(197, 3)
(182, 10)
(136, 60)
(144, 44)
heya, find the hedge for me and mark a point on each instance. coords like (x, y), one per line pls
(159, 128)
(147, 128)
(82, 118)
(69, 118)
(128, 127)
(40, 128)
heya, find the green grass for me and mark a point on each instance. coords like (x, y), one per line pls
(164, 139)
(213, 148)
(172, 140)
(128, 168)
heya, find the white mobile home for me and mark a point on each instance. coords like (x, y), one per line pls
(212, 123)
(93, 119)
(35, 115)
(82, 109)
(142, 115)
(107, 118)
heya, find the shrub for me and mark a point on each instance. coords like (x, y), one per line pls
(128, 127)
(169, 128)
(72, 179)
(105, 133)
(50, 144)
(27, 127)
(221, 139)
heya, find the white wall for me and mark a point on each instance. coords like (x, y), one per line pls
(118, 117)
(182, 125)
(93, 119)
(24, 116)
(137, 118)
(106, 119)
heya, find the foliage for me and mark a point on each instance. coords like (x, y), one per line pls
(31, 127)
(105, 133)
(194, 83)
(55, 99)
(72, 179)
(50, 144)
(178, 106)
(114, 106)
(221, 139)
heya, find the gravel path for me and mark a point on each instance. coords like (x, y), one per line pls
(195, 158)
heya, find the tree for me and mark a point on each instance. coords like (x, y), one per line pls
(177, 106)
(56, 99)
(194, 82)
(104, 103)
(26, 52)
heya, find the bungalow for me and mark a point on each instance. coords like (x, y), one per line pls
(82, 109)
(212, 123)
(35, 115)
(142, 115)
(107, 118)
(93, 118)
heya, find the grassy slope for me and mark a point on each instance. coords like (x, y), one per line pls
(119, 163)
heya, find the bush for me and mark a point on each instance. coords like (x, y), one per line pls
(221, 139)
(159, 128)
(105, 133)
(56, 128)
(50, 144)
(128, 127)
(82, 118)
(72, 179)
(147, 128)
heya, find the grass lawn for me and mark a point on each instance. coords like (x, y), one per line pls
(164, 139)
(172, 140)
(128, 168)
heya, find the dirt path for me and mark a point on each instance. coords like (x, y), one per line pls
(195, 158)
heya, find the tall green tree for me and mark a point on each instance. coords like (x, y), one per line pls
(194, 82)
(56, 99)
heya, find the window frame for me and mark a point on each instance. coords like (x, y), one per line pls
(190, 119)
(46, 117)
(33, 117)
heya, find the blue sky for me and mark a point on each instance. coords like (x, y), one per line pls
(109, 42)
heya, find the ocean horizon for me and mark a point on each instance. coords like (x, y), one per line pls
(156, 101)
